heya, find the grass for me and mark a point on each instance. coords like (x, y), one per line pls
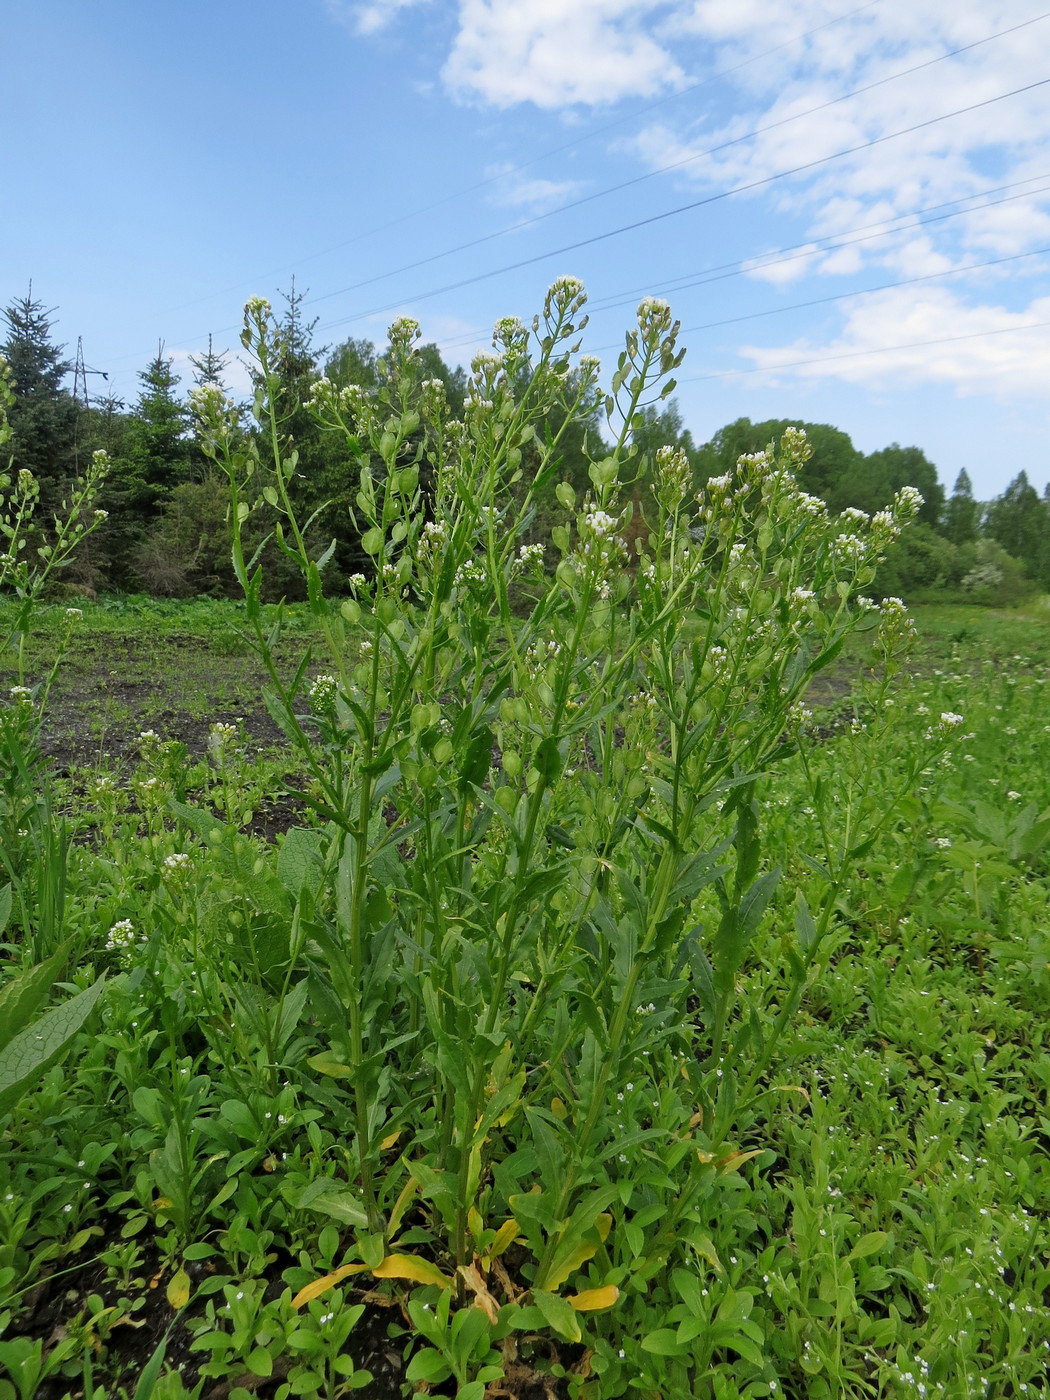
(883, 1232)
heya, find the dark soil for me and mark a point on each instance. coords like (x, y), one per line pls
(122, 1353)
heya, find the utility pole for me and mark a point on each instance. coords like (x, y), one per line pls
(80, 374)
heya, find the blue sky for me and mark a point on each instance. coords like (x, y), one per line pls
(164, 162)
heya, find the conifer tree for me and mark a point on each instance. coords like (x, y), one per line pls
(209, 367)
(960, 512)
(159, 449)
(44, 415)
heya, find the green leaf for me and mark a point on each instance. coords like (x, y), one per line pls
(663, 1342)
(428, 1365)
(151, 1371)
(5, 907)
(260, 1363)
(297, 860)
(804, 925)
(548, 760)
(869, 1244)
(35, 1049)
(24, 995)
(559, 1313)
(331, 1198)
(477, 761)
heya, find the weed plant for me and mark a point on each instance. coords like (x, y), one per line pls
(617, 1023)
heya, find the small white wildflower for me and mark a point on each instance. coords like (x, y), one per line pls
(323, 693)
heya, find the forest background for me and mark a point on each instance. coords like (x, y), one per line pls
(166, 533)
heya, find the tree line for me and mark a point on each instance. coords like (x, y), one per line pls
(167, 534)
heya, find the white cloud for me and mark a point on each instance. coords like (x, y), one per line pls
(368, 16)
(517, 191)
(783, 270)
(554, 53)
(888, 340)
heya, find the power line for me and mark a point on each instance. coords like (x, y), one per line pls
(673, 165)
(778, 257)
(686, 208)
(856, 354)
(846, 296)
(545, 155)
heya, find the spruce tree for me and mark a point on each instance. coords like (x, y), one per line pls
(1020, 521)
(159, 449)
(43, 416)
(210, 366)
(960, 513)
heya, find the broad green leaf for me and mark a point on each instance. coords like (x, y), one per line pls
(804, 925)
(558, 1313)
(331, 1198)
(297, 860)
(36, 1048)
(663, 1342)
(23, 996)
(869, 1244)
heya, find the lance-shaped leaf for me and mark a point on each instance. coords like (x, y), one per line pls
(32, 1052)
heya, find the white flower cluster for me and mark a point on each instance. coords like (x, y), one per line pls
(799, 716)
(433, 401)
(600, 523)
(220, 737)
(20, 695)
(654, 317)
(512, 334)
(852, 516)
(121, 936)
(851, 548)
(432, 541)
(673, 476)
(323, 693)
(565, 295)
(403, 333)
(530, 556)
(468, 573)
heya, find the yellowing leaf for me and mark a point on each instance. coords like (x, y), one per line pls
(410, 1266)
(161, 1203)
(409, 1189)
(736, 1160)
(558, 1109)
(575, 1258)
(389, 1141)
(505, 1236)
(178, 1289)
(483, 1299)
(591, 1299)
(325, 1282)
(327, 1063)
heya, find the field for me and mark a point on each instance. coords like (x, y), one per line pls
(876, 1226)
(608, 963)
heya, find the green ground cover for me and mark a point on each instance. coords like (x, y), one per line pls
(889, 1239)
